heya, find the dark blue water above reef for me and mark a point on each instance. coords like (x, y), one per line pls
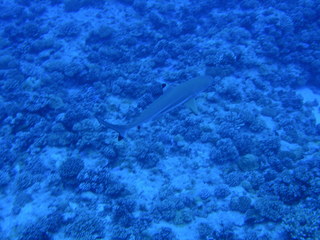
(159, 120)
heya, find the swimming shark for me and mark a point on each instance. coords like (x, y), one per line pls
(183, 93)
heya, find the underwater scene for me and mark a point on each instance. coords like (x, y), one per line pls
(159, 120)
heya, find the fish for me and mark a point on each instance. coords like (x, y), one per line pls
(183, 93)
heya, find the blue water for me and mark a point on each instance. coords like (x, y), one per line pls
(246, 167)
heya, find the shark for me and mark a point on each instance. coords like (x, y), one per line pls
(183, 93)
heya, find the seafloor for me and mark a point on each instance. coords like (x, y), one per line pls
(247, 167)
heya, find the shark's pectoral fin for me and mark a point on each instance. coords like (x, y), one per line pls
(192, 105)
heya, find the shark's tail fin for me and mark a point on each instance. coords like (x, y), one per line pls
(121, 129)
